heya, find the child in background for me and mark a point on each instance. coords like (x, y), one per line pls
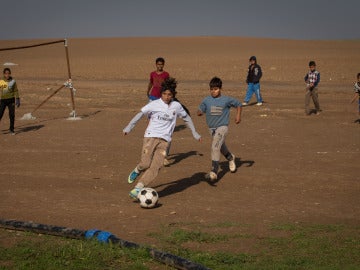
(217, 110)
(163, 113)
(156, 79)
(253, 82)
(9, 97)
(312, 79)
(357, 91)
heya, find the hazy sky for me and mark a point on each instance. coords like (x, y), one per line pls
(317, 19)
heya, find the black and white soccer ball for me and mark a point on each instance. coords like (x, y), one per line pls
(148, 197)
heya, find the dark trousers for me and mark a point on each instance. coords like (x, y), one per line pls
(10, 103)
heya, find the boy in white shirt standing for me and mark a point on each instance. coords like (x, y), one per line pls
(163, 113)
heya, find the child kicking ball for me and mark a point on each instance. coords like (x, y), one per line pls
(162, 120)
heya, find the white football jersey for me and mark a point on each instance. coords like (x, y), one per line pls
(162, 118)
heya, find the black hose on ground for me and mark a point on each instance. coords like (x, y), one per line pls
(102, 236)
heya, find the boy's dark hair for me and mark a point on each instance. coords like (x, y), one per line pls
(160, 59)
(215, 82)
(169, 84)
(312, 63)
(6, 69)
(358, 75)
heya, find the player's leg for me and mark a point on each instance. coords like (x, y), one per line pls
(229, 157)
(258, 94)
(218, 138)
(249, 93)
(2, 108)
(225, 151)
(166, 161)
(315, 99)
(11, 108)
(156, 164)
(147, 152)
(307, 102)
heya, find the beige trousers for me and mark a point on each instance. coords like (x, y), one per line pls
(314, 95)
(152, 159)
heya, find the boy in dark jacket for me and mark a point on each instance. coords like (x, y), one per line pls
(253, 82)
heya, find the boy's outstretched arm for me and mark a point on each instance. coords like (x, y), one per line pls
(132, 123)
(189, 123)
(238, 115)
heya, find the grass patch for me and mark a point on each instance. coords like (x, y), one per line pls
(300, 246)
(313, 247)
(281, 246)
(31, 251)
(180, 236)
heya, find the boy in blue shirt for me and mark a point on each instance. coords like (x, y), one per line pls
(217, 110)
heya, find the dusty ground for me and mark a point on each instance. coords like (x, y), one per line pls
(291, 167)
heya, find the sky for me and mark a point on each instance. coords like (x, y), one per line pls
(290, 19)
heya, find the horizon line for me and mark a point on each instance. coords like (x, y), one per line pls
(181, 36)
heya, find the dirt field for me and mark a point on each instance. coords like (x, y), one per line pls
(291, 167)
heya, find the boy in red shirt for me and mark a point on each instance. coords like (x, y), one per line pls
(156, 79)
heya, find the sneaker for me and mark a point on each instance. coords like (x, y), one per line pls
(135, 192)
(232, 164)
(132, 176)
(211, 175)
(244, 103)
(12, 132)
(259, 104)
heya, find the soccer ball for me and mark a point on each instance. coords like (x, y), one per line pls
(148, 197)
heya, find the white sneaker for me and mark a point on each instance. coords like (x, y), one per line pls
(232, 164)
(211, 175)
(259, 104)
(244, 103)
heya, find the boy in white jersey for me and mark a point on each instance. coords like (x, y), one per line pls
(162, 120)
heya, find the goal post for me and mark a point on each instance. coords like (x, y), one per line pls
(67, 84)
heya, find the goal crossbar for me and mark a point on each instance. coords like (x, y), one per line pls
(67, 62)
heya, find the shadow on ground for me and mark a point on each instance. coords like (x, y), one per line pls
(181, 184)
(224, 166)
(29, 128)
(176, 158)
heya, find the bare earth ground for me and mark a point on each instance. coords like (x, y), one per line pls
(291, 167)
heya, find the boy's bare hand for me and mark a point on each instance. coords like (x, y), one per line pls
(237, 120)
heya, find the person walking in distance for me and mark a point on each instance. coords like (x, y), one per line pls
(253, 82)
